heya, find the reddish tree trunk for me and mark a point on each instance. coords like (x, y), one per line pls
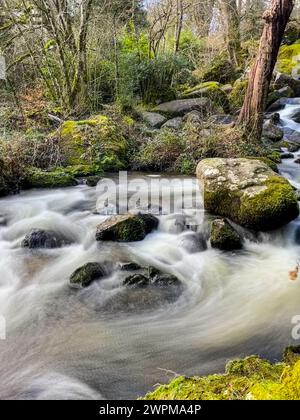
(276, 19)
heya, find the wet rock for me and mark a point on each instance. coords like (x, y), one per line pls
(193, 242)
(92, 181)
(153, 119)
(286, 155)
(224, 236)
(295, 116)
(130, 266)
(86, 274)
(150, 222)
(183, 106)
(247, 192)
(275, 118)
(39, 238)
(272, 131)
(285, 92)
(126, 228)
(137, 280)
(297, 161)
(292, 136)
(174, 124)
(165, 280)
(283, 80)
(151, 277)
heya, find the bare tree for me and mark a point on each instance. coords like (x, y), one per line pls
(275, 19)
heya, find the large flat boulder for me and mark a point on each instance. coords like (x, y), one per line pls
(248, 192)
(183, 106)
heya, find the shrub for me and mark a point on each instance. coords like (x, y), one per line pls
(152, 79)
(219, 69)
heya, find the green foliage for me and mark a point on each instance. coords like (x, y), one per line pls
(160, 153)
(219, 69)
(151, 79)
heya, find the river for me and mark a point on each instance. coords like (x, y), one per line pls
(108, 342)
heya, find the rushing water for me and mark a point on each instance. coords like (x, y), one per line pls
(110, 342)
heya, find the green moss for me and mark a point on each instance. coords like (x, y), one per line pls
(288, 388)
(274, 157)
(97, 141)
(86, 274)
(289, 58)
(264, 210)
(36, 178)
(79, 171)
(224, 237)
(271, 204)
(250, 378)
(237, 95)
(220, 70)
(211, 90)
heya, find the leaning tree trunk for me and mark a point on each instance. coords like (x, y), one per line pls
(276, 19)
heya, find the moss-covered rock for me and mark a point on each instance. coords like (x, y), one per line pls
(126, 228)
(289, 59)
(36, 178)
(96, 141)
(224, 236)
(86, 274)
(248, 192)
(250, 378)
(211, 90)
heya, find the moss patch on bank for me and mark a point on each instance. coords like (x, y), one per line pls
(251, 378)
(96, 141)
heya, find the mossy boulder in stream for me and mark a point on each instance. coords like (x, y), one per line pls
(248, 192)
(126, 228)
(224, 236)
(86, 274)
(252, 378)
(94, 141)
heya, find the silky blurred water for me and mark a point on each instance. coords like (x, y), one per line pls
(110, 342)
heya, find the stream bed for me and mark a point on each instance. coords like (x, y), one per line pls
(109, 342)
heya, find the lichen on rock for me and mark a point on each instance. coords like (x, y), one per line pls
(248, 192)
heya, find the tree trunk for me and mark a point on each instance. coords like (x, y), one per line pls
(179, 23)
(275, 21)
(232, 30)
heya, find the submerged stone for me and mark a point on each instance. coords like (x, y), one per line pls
(39, 238)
